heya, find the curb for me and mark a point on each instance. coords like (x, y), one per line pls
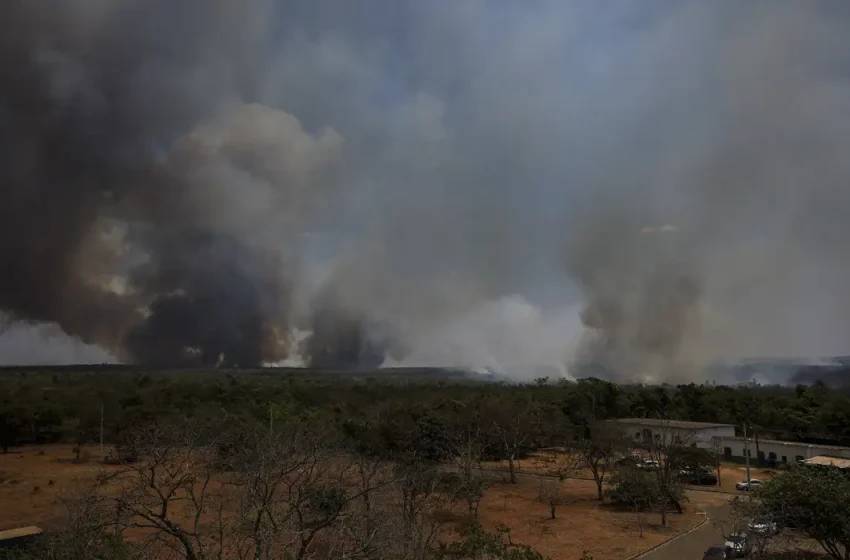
(672, 539)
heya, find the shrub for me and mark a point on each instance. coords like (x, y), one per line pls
(632, 488)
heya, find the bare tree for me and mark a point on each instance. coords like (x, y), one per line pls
(171, 497)
(599, 450)
(86, 533)
(553, 494)
(300, 496)
(419, 505)
(515, 425)
(717, 449)
(666, 439)
(467, 482)
(189, 493)
(263, 469)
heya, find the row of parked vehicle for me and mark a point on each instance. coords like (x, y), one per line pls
(689, 476)
(739, 545)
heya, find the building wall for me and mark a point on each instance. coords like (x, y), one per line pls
(702, 437)
(790, 451)
(722, 439)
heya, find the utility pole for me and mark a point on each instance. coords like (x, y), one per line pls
(747, 455)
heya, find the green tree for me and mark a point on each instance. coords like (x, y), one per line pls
(515, 425)
(815, 500)
(475, 543)
(635, 489)
(12, 423)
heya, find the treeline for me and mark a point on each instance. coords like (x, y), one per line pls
(43, 406)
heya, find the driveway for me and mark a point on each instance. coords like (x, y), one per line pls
(693, 545)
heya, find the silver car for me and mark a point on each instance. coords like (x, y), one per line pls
(738, 544)
(753, 484)
(763, 526)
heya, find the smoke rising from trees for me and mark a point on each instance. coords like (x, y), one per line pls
(164, 166)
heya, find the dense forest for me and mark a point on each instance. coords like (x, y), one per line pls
(41, 405)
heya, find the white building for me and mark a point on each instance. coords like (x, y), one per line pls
(721, 439)
(772, 450)
(701, 434)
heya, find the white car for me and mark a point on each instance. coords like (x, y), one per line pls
(738, 544)
(763, 526)
(649, 464)
(753, 484)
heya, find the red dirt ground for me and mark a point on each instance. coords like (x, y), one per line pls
(33, 480)
(585, 525)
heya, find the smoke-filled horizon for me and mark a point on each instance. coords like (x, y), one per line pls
(648, 187)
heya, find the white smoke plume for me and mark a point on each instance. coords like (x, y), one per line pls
(481, 174)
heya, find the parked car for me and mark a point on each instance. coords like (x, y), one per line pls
(649, 464)
(738, 544)
(700, 476)
(763, 526)
(717, 552)
(753, 484)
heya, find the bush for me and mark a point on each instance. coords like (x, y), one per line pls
(476, 543)
(633, 489)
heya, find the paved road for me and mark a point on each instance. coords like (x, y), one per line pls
(693, 545)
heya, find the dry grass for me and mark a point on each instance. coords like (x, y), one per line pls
(33, 480)
(584, 525)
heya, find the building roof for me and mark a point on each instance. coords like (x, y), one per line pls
(824, 461)
(19, 532)
(791, 443)
(680, 424)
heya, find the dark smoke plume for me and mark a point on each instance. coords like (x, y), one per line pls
(346, 339)
(143, 206)
(209, 303)
(178, 176)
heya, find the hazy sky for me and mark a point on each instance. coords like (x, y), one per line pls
(493, 162)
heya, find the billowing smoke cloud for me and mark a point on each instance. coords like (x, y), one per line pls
(146, 205)
(173, 173)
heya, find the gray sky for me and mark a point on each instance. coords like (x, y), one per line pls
(487, 166)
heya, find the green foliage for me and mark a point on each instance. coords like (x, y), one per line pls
(392, 415)
(815, 500)
(477, 544)
(635, 489)
(692, 458)
(327, 502)
(467, 489)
